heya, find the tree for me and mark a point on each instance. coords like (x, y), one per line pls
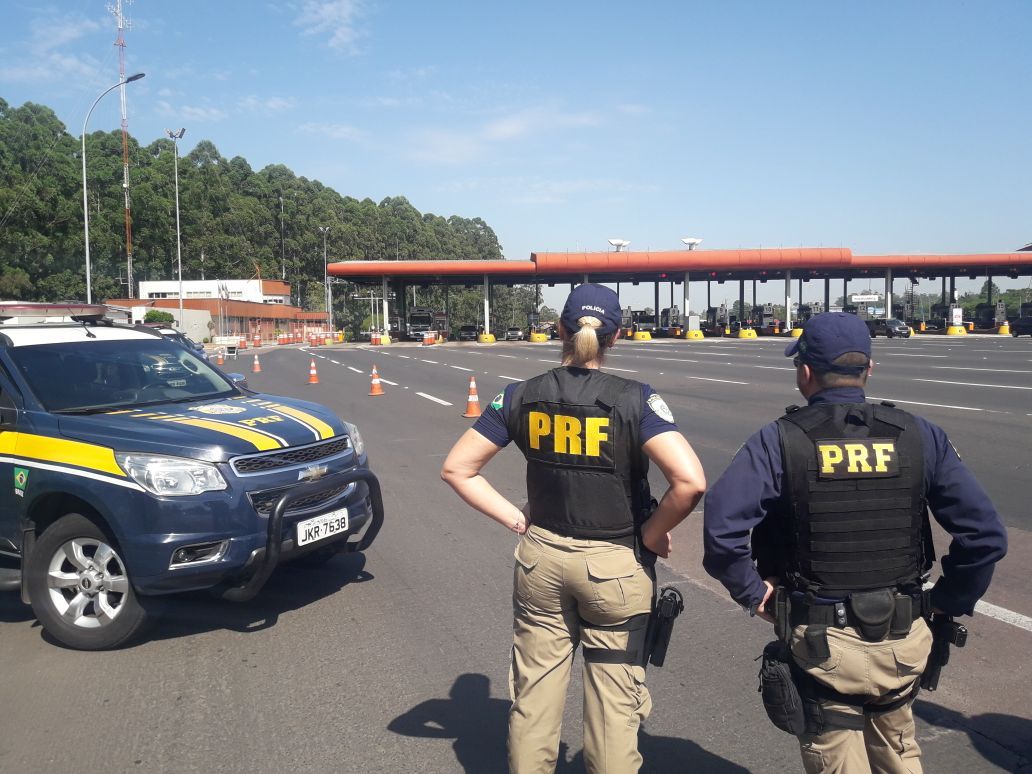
(158, 316)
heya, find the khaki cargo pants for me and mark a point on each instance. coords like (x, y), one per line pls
(566, 592)
(884, 671)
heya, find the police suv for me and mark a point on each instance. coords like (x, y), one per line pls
(131, 468)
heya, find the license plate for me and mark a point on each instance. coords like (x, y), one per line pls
(322, 527)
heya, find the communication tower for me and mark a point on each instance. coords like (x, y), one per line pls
(124, 24)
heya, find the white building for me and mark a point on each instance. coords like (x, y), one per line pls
(255, 290)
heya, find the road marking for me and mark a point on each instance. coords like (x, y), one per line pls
(725, 381)
(388, 381)
(435, 400)
(356, 370)
(334, 361)
(775, 368)
(1005, 615)
(405, 356)
(510, 378)
(460, 368)
(893, 354)
(512, 356)
(974, 384)
(676, 359)
(430, 361)
(628, 370)
(546, 361)
(991, 370)
(919, 403)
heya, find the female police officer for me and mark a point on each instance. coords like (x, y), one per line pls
(588, 437)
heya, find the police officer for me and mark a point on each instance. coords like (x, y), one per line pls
(579, 577)
(836, 496)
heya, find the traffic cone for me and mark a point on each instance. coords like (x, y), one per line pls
(219, 359)
(472, 402)
(257, 367)
(313, 375)
(375, 388)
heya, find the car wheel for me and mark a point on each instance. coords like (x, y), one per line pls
(80, 588)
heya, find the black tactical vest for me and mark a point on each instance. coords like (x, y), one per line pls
(579, 430)
(853, 494)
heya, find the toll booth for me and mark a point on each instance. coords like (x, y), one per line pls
(985, 315)
(1001, 314)
(763, 319)
(626, 321)
(717, 321)
(669, 320)
(642, 320)
(938, 316)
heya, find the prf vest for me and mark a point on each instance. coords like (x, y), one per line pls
(854, 500)
(579, 430)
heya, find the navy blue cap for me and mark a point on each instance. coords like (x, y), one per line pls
(592, 301)
(827, 337)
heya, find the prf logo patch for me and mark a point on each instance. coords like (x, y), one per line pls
(577, 436)
(857, 458)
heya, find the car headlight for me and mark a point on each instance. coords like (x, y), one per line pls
(171, 476)
(356, 438)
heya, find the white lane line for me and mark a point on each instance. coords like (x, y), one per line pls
(975, 384)
(1005, 615)
(714, 354)
(707, 379)
(435, 400)
(430, 361)
(676, 359)
(334, 361)
(546, 361)
(512, 356)
(405, 356)
(775, 368)
(893, 354)
(919, 403)
(991, 370)
(388, 381)
(510, 378)
(460, 368)
(356, 370)
(627, 370)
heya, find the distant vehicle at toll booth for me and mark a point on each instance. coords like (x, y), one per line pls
(892, 328)
(468, 333)
(418, 322)
(513, 334)
(144, 471)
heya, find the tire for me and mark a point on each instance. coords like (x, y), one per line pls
(70, 611)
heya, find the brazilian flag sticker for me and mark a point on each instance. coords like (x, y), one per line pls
(21, 478)
(496, 404)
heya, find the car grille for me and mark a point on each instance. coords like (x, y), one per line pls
(263, 502)
(301, 455)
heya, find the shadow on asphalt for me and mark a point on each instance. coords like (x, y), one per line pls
(479, 726)
(1004, 740)
(289, 588)
(12, 610)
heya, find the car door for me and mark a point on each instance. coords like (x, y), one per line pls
(13, 477)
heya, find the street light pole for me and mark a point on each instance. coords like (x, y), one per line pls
(324, 230)
(85, 202)
(176, 137)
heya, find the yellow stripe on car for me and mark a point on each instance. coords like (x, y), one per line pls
(320, 427)
(260, 441)
(46, 449)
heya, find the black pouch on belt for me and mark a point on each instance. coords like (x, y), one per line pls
(903, 616)
(873, 611)
(781, 697)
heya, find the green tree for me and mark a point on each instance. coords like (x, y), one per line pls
(158, 316)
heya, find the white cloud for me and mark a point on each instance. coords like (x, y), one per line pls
(412, 73)
(337, 18)
(633, 109)
(51, 33)
(266, 104)
(333, 131)
(447, 147)
(38, 59)
(199, 113)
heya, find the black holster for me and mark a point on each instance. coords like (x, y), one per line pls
(781, 697)
(669, 605)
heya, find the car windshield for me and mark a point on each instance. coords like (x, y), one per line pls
(469, 328)
(74, 377)
(893, 321)
(420, 319)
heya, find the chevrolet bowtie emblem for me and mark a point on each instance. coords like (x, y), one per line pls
(313, 473)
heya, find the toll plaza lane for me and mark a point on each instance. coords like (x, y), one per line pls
(396, 660)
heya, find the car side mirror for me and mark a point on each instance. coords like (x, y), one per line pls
(238, 379)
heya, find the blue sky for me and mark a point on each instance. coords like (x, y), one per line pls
(880, 126)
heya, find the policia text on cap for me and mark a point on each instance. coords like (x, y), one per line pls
(836, 496)
(580, 577)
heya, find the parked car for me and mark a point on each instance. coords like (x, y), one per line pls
(468, 333)
(182, 339)
(141, 470)
(1022, 326)
(892, 328)
(513, 334)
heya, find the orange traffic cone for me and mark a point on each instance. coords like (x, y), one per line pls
(257, 367)
(313, 375)
(220, 360)
(375, 388)
(473, 402)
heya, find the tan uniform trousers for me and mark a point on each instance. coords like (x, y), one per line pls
(883, 671)
(568, 591)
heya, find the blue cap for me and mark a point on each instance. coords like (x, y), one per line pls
(592, 301)
(827, 337)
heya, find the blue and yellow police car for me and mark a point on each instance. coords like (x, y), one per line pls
(132, 468)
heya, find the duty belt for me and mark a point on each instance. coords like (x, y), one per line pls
(908, 608)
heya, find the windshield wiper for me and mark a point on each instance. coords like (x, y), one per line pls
(88, 410)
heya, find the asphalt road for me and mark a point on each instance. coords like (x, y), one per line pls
(395, 661)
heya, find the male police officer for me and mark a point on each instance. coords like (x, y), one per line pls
(836, 497)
